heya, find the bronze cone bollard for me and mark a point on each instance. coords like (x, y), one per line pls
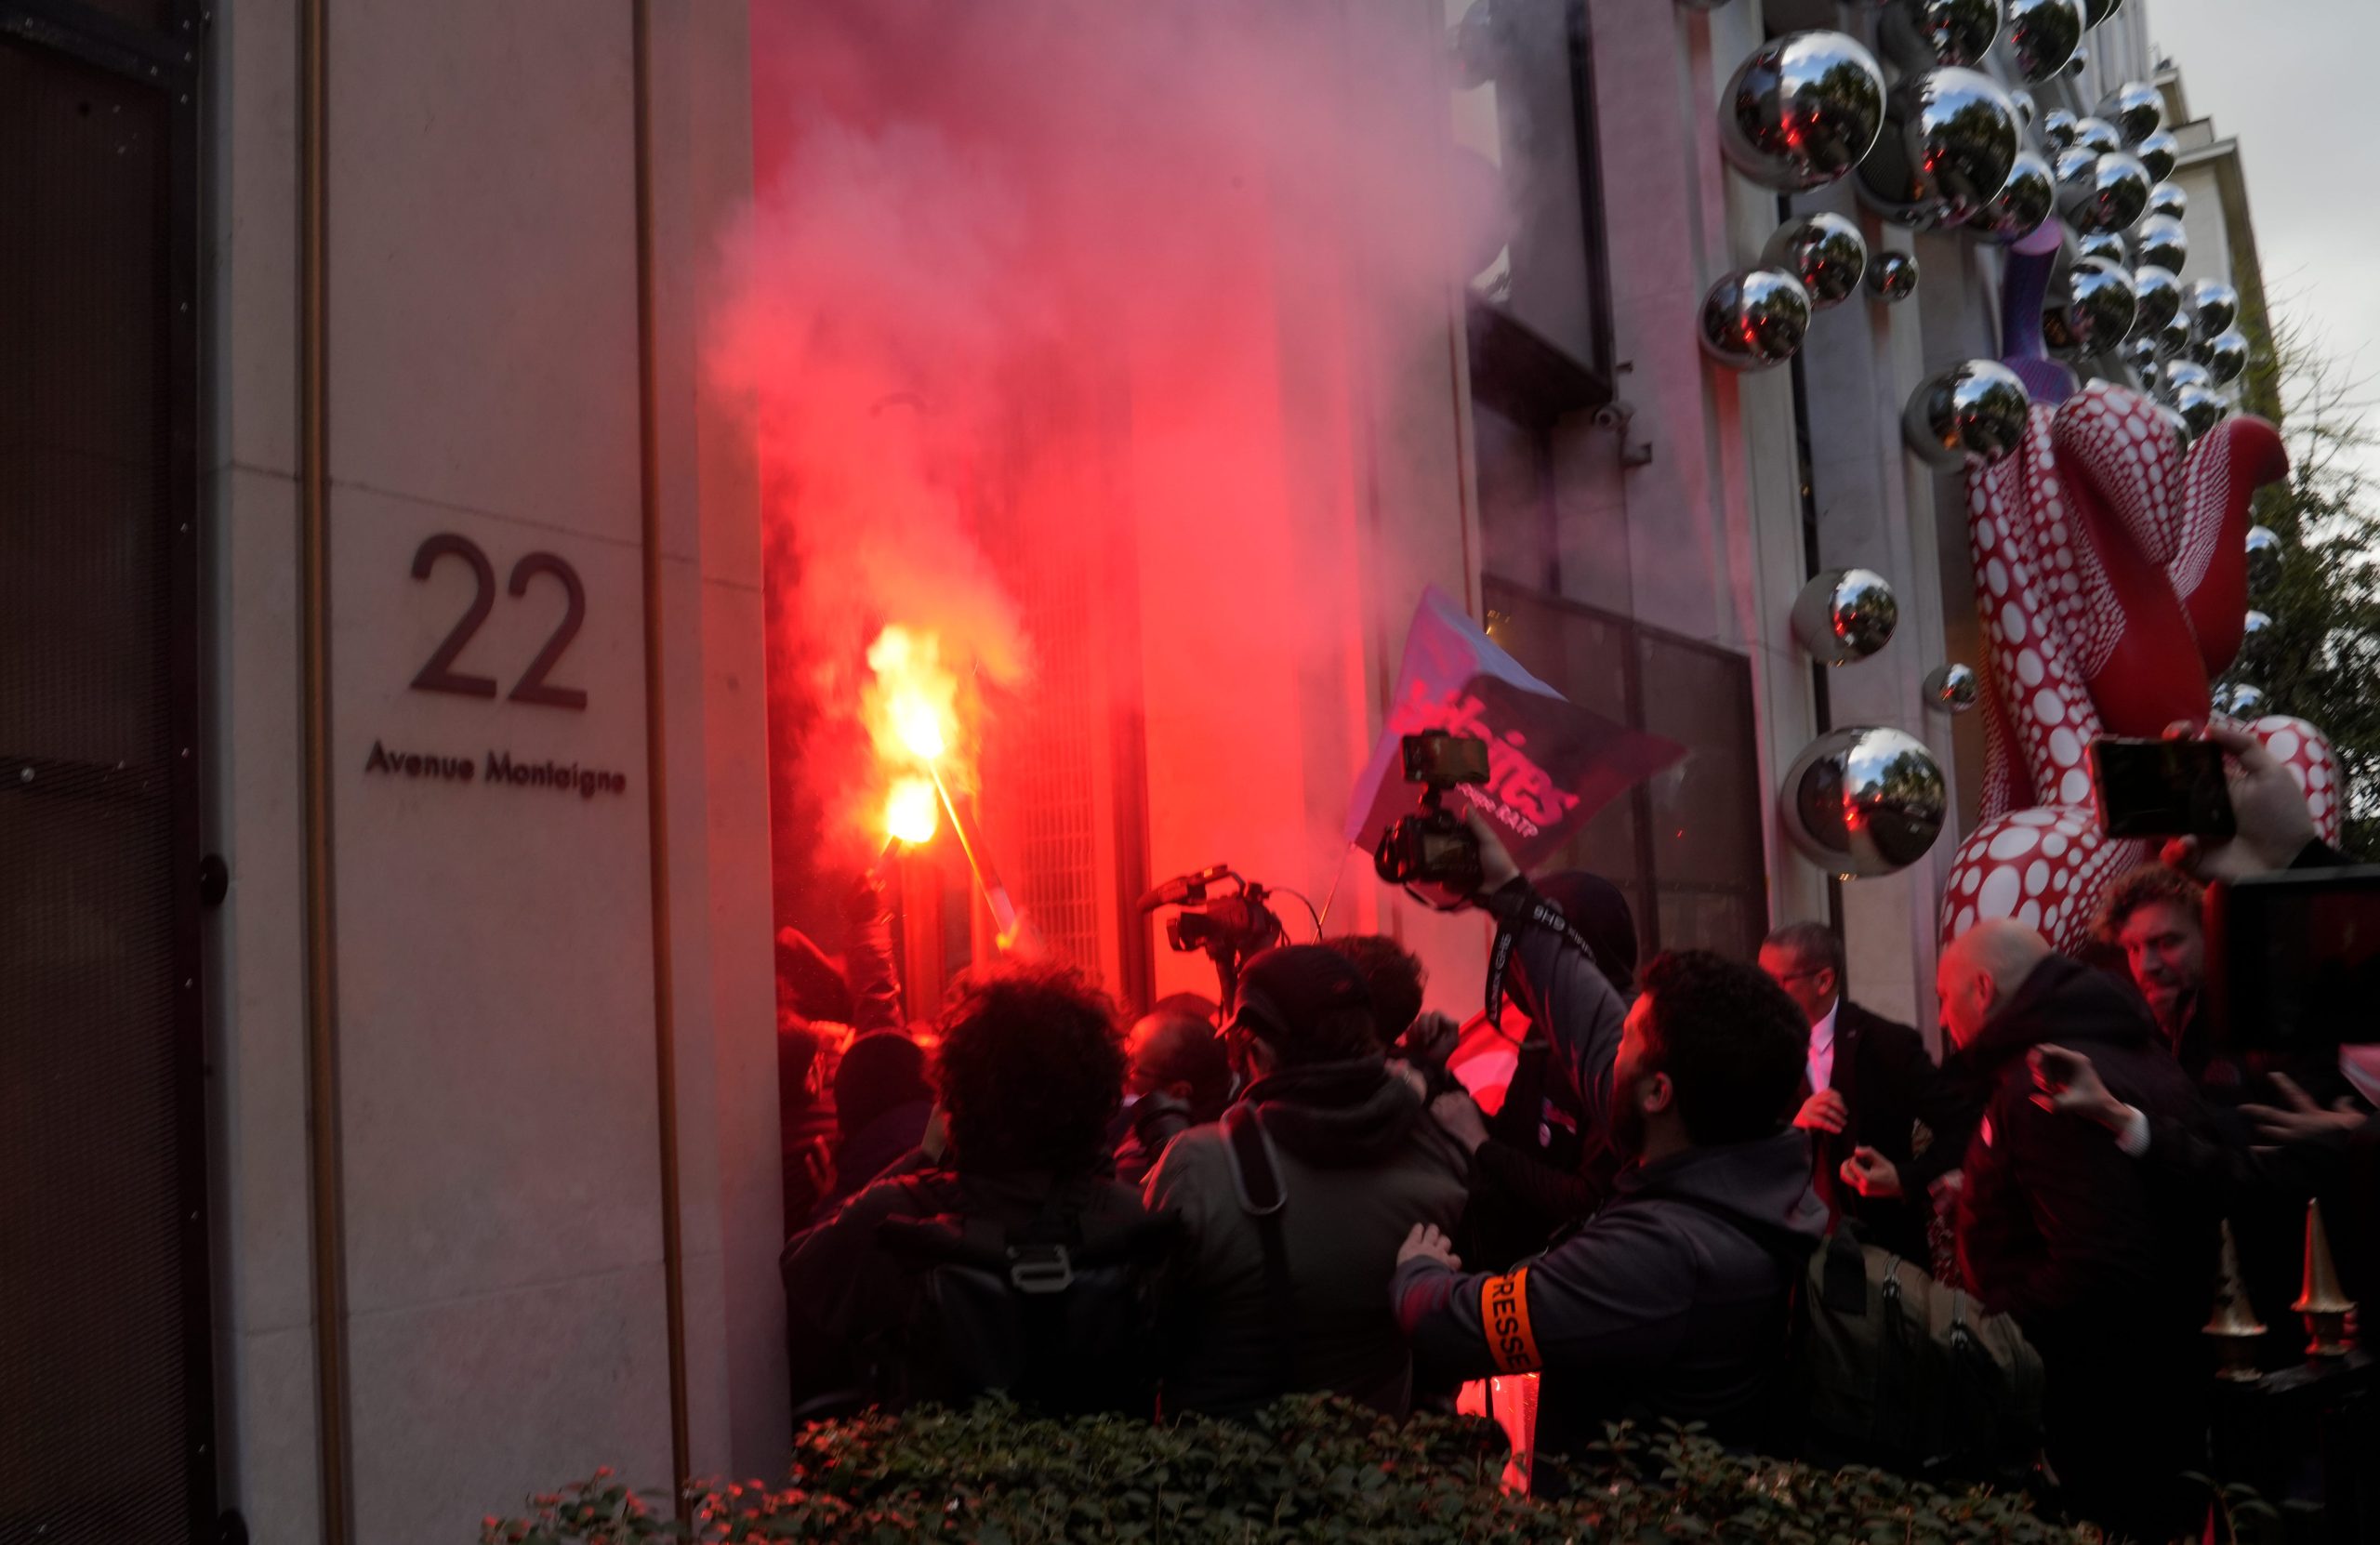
(2322, 1303)
(2233, 1325)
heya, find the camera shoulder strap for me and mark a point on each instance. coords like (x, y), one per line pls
(1256, 1174)
(1517, 909)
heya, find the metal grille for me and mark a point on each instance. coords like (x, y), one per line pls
(1047, 766)
(103, 1376)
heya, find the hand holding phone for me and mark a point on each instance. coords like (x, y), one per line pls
(2162, 788)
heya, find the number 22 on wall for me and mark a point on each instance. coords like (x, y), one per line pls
(439, 675)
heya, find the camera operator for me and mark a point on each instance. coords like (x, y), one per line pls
(1543, 960)
(1535, 1169)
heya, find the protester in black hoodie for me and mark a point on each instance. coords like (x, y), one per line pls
(882, 1103)
(2109, 1277)
(1353, 1160)
(1670, 1303)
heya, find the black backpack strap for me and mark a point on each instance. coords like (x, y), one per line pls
(1256, 1175)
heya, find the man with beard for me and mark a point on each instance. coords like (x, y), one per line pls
(1673, 1302)
(2155, 915)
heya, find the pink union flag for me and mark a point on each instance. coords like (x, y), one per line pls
(1551, 764)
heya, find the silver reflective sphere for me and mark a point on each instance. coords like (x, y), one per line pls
(2161, 242)
(1754, 318)
(2224, 355)
(1949, 142)
(2136, 108)
(1801, 110)
(2168, 198)
(2103, 192)
(2174, 421)
(2201, 409)
(2157, 298)
(2180, 373)
(2040, 35)
(1846, 614)
(1892, 277)
(2098, 136)
(2214, 306)
(2105, 246)
(2059, 129)
(2239, 700)
(2079, 64)
(1827, 252)
(2029, 112)
(2023, 203)
(2097, 11)
(2175, 340)
(2161, 152)
(1864, 802)
(1971, 415)
(2263, 558)
(1952, 688)
(2140, 352)
(2255, 623)
(2099, 309)
(1919, 35)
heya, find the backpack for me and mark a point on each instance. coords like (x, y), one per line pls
(1909, 1374)
(1057, 1314)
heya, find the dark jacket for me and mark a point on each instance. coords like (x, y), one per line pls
(872, 1150)
(849, 1301)
(1903, 1106)
(2055, 1225)
(1149, 1127)
(2110, 1274)
(1362, 1162)
(1672, 1302)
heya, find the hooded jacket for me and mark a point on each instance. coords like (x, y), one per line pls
(1670, 1303)
(1361, 1162)
(2055, 1225)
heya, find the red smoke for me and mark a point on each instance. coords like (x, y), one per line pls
(1064, 317)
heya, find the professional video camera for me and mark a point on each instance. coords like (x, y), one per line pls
(1230, 928)
(1432, 846)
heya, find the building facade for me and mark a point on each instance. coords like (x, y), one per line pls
(387, 731)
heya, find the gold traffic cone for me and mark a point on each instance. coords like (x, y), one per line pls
(2233, 1325)
(2322, 1303)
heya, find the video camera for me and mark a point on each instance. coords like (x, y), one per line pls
(1432, 846)
(1229, 928)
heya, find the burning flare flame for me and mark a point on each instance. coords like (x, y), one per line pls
(911, 708)
(912, 811)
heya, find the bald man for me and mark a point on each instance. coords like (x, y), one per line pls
(2109, 1277)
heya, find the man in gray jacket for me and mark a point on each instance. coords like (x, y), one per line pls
(1293, 1205)
(1673, 1301)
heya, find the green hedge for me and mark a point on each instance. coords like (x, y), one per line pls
(1312, 1470)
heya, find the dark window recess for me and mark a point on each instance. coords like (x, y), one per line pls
(1540, 326)
(1686, 846)
(105, 1376)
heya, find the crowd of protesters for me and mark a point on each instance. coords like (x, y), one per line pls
(1290, 1193)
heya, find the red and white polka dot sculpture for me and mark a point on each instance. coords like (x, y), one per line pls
(2111, 578)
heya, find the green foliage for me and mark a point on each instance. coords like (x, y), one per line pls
(1310, 1469)
(2320, 658)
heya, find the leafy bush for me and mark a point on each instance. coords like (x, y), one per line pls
(1311, 1470)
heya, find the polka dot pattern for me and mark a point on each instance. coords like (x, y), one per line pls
(2305, 751)
(2103, 466)
(2046, 868)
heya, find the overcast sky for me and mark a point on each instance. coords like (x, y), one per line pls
(2297, 83)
